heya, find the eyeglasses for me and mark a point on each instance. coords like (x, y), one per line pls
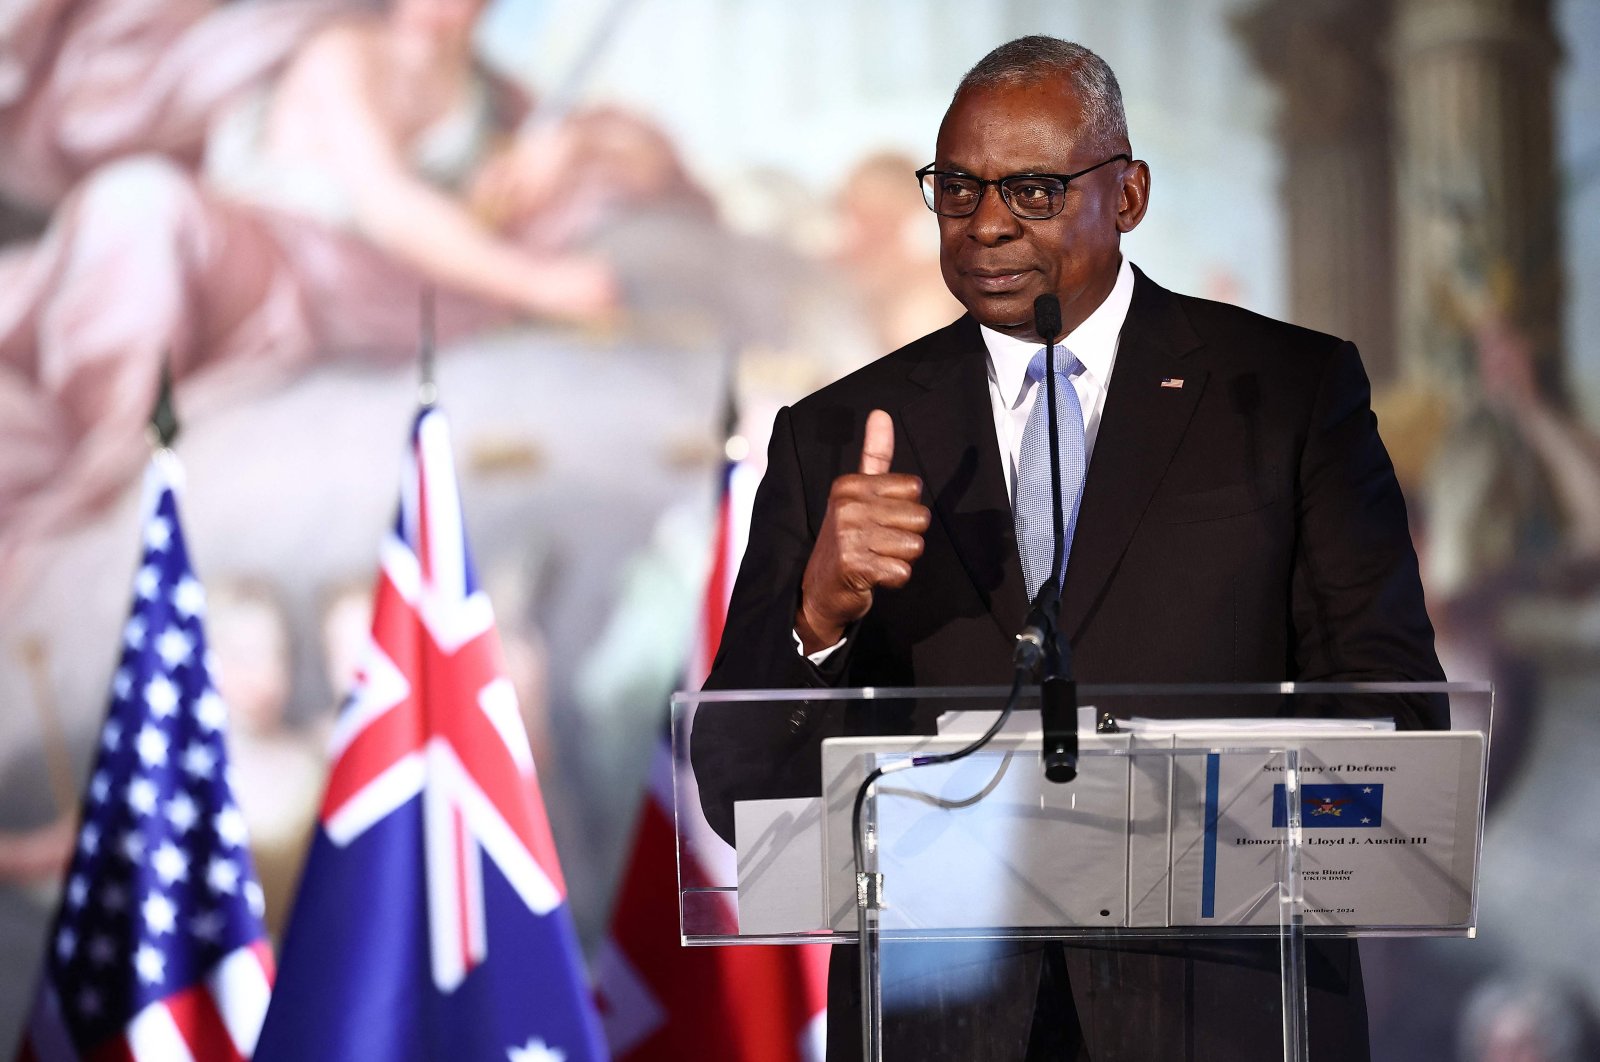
(1030, 196)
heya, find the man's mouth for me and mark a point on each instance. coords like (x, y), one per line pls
(997, 281)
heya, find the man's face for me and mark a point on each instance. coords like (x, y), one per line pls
(996, 263)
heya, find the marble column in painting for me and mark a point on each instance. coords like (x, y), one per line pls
(1327, 60)
(1479, 258)
(1477, 177)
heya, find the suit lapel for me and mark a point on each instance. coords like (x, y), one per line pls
(1140, 430)
(950, 427)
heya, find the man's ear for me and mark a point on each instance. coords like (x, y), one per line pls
(1133, 195)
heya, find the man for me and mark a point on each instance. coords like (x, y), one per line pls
(1239, 521)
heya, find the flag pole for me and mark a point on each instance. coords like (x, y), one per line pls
(163, 425)
(427, 390)
(735, 447)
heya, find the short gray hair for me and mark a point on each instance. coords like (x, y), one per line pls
(1037, 57)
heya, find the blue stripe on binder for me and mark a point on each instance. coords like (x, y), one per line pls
(1208, 874)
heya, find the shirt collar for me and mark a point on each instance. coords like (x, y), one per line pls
(1094, 342)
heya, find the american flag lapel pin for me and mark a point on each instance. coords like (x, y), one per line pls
(1175, 382)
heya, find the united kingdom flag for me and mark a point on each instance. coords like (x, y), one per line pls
(431, 920)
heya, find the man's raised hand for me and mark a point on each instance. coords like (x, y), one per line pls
(870, 534)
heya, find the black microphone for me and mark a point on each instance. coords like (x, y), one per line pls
(1058, 717)
(1041, 644)
(1047, 317)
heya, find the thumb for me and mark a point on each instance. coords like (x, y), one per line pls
(877, 448)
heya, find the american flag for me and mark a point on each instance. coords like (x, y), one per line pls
(431, 920)
(157, 951)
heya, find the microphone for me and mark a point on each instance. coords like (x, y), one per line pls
(1041, 644)
(1047, 318)
(1058, 715)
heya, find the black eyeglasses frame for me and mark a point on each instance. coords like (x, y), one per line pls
(1066, 180)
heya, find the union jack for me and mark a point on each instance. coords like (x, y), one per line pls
(433, 831)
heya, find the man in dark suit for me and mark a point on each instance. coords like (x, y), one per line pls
(1239, 521)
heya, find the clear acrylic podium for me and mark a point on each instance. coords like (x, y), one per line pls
(1238, 819)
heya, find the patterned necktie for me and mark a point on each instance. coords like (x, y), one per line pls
(1035, 516)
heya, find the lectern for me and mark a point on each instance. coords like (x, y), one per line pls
(1199, 816)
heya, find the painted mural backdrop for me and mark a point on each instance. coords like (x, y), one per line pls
(608, 217)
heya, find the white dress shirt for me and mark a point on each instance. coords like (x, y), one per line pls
(1012, 394)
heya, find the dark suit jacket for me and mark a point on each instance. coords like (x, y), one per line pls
(1244, 526)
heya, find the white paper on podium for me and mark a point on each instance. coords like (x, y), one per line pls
(780, 865)
(985, 841)
(1388, 827)
(1184, 835)
(972, 722)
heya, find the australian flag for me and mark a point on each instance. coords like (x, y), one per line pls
(1345, 806)
(157, 950)
(431, 920)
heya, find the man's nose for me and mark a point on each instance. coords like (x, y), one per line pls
(993, 222)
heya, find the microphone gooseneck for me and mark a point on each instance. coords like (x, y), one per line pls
(1041, 647)
(1041, 612)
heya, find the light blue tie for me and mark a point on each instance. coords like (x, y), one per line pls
(1035, 516)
